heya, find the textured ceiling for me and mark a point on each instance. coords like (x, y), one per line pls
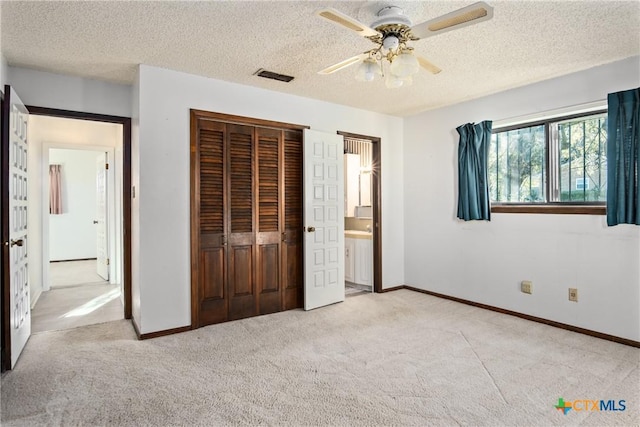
(525, 42)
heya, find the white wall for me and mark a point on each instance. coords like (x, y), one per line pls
(485, 261)
(4, 72)
(135, 201)
(3, 64)
(72, 234)
(63, 92)
(162, 178)
(53, 132)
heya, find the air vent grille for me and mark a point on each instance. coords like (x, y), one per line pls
(274, 76)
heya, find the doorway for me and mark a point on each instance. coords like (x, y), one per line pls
(15, 116)
(81, 230)
(363, 253)
(82, 286)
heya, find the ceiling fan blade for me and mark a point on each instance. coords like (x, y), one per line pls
(427, 65)
(340, 18)
(470, 15)
(344, 64)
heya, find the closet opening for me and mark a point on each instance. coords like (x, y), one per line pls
(246, 217)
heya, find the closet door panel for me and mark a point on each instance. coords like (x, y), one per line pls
(292, 260)
(269, 142)
(210, 164)
(212, 261)
(269, 268)
(241, 219)
(240, 271)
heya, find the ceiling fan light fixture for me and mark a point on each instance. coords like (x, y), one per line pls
(393, 82)
(368, 70)
(391, 42)
(393, 34)
(404, 65)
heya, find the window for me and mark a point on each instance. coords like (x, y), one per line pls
(559, 162)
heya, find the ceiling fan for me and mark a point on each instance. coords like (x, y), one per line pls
(391, 33)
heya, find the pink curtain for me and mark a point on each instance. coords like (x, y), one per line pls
(55, 189)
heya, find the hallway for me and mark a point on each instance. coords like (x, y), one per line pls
(78, 297)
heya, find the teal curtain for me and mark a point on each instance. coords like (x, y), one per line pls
(473, 185)
(623, 140)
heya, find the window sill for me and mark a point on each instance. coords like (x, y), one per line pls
(554, 209)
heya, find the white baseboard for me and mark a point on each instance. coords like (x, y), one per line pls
(34, 301)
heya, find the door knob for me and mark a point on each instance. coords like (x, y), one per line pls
(311, 229)
(13, 243)
(95, 221)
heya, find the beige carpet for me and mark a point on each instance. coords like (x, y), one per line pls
(400, 358)
(74, 306)
(70, 273)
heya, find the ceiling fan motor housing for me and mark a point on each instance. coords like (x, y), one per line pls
(393, 26)
(391, 15)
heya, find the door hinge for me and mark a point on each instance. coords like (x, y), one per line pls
(107, 261)
(106, 165)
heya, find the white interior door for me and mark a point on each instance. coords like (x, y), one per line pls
(14, 118)
(323, 219)
(101, 217)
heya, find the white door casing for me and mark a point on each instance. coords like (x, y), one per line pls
(17, 244)
(102, 239)
(349, 259)
(323, 219)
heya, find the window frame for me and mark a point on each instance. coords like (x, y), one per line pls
(553, 207)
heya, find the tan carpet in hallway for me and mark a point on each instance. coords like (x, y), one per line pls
(400, 358)
(74, 306)
(70, 273)
(78, 297)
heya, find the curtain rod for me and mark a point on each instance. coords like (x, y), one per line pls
(550, 114)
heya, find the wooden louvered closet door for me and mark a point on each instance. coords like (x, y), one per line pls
(246, 220)
(209, 262)
(292, 255)
(269, 145)
(241, 241)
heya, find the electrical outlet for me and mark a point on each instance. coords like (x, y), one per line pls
(573, 294)
(526, 287)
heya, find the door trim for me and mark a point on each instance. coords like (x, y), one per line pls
(249, 121)
(376, 197)
(5, 279)
(126, 182)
